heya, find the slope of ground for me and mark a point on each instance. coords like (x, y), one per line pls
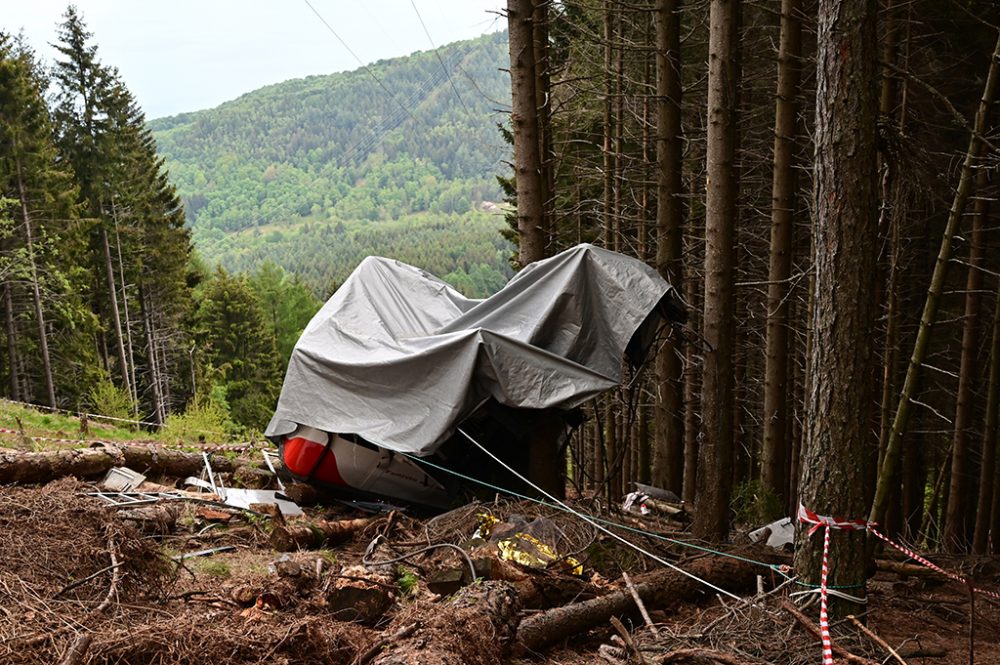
(83, 582)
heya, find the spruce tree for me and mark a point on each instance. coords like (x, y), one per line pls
(236, 339)
(45, 325)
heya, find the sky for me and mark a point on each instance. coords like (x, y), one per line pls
(187, 55)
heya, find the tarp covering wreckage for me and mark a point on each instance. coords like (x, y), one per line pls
(400, 359)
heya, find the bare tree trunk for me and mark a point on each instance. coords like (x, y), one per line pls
(116, 321)
(692, 429)
(715, 456)
(159, 413)
(36, 293)
(957, 517)
(543, 106)
(843, 311)
(988, 492)
(610, 429)
(774, 454)
(934, 292)
(524, 118)
(8, 312)
(668, 460)
(128, 320)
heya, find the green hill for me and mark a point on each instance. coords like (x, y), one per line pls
(317, 173)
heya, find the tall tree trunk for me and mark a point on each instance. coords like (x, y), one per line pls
(543, 106)
(547, 471)
(36, 292)
(159, 413)
(668, 462)
(988, 488)
(957, 517)
(524, 118)
(116, 320)
(692, 429)
(843, 311)
(128, 320)
(784, 190)
(934, 292)
(8, 315)
(715, 456)
(610, 430)
(643, 452)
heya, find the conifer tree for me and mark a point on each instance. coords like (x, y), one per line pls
(238, 342)
(42, 244)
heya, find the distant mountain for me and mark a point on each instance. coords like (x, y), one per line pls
(355, 159)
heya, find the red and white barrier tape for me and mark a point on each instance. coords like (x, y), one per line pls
(919, 559)
(809, 517)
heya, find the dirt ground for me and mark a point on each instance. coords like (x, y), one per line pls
(83, 583)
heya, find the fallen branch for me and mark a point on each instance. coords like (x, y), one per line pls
(640, 605)
(77, 650)
(695, 654)
(875, 638)
(541, 630)
(814, 629)
(377, 648)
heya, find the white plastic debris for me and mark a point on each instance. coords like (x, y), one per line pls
(782, 533)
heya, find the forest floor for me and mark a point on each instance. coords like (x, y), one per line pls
(81, 582)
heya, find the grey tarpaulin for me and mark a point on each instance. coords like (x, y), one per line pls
(400, 358)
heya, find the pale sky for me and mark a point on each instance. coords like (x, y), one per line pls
(186, 55)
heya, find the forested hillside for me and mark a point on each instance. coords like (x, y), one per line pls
(359, 157)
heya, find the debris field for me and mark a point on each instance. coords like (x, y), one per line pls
(180, 576)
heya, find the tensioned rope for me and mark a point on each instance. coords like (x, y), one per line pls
(600, 527)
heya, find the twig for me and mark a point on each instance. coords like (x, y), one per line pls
(115, 577)
(374, 650)
(77, 650)
(86, 579)
(875, 638)
(811, 627)
(640, 605)
(686, 654)
(629, 642)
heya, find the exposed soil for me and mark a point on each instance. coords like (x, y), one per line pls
(79, 583)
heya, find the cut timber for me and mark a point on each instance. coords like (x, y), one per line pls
(156, 519)
(476, 627)
(26, 468)
(312, 535)
(541, 630)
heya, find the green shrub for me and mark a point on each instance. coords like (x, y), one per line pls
(753, 504)
(108, 399)
(206, 418)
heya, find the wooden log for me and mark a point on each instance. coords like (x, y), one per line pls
(536, 589)
(312, 535)
(24, 468)
(158, 519)
(662, 587)
(476, 627)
